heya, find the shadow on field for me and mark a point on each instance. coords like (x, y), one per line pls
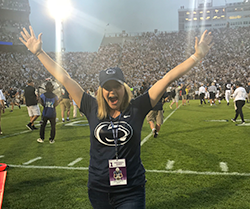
(216, 196)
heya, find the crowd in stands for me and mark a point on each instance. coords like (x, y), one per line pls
(20, 5)
(10, 30)
(144, 59)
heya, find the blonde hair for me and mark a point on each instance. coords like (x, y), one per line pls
(103, 108)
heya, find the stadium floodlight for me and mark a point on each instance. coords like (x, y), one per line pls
(59, 9)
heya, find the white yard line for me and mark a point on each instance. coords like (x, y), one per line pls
(208, 173)
(1, 156)
(75, 161)
(32, 160)
(216, 120)
(49, 167)
(148, 136)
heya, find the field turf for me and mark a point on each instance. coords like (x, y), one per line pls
(199, 160)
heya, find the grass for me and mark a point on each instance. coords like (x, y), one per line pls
(195, 138)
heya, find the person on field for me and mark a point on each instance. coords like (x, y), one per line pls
(49, 102)
(239, 96)
(115, 122)
(155, 116)
(188, 88)
(31, 103)
(12, 98)
(202, 92)
(183, 94)
(176, 97)
(212, 92)
(2, 108)
(65, 104)
(228, 91)
(248, 92)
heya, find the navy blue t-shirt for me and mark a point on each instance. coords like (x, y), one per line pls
(48, 101)
(102, 148)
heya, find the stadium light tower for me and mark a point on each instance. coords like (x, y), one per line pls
(59, 10)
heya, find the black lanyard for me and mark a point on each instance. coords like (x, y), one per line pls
(115, 134)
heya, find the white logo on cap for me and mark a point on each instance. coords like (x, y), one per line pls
(110, 71)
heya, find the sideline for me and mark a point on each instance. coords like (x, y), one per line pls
(148, 136)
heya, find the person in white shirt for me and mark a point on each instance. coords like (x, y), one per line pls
(202, 92)
(239, 101)
(2, 108)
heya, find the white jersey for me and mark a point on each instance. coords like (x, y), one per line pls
(202, 90)
(240, 94)
(2, 97)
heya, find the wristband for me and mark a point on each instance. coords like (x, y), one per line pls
(38, 52)
(194, 58)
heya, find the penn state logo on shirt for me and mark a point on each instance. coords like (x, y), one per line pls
(105, 135)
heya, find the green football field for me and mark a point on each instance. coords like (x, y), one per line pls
(199, 160)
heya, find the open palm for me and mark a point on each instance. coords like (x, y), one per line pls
(30, 41)
(202, 48)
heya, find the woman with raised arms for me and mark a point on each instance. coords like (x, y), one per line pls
(115, 122)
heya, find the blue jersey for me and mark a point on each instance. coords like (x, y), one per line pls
(48, 101)
(103, 147)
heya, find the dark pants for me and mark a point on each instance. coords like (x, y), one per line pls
(202, 95)
(239, 104)
(133, 199)
(211, 95)
(53, 127)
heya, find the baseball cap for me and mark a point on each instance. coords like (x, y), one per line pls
(30, 81)
(111, 74)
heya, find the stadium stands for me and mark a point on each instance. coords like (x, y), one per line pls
(14, 15)
(143, 56)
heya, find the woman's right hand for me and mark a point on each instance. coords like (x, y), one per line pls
(203, 46)
(30, 41)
